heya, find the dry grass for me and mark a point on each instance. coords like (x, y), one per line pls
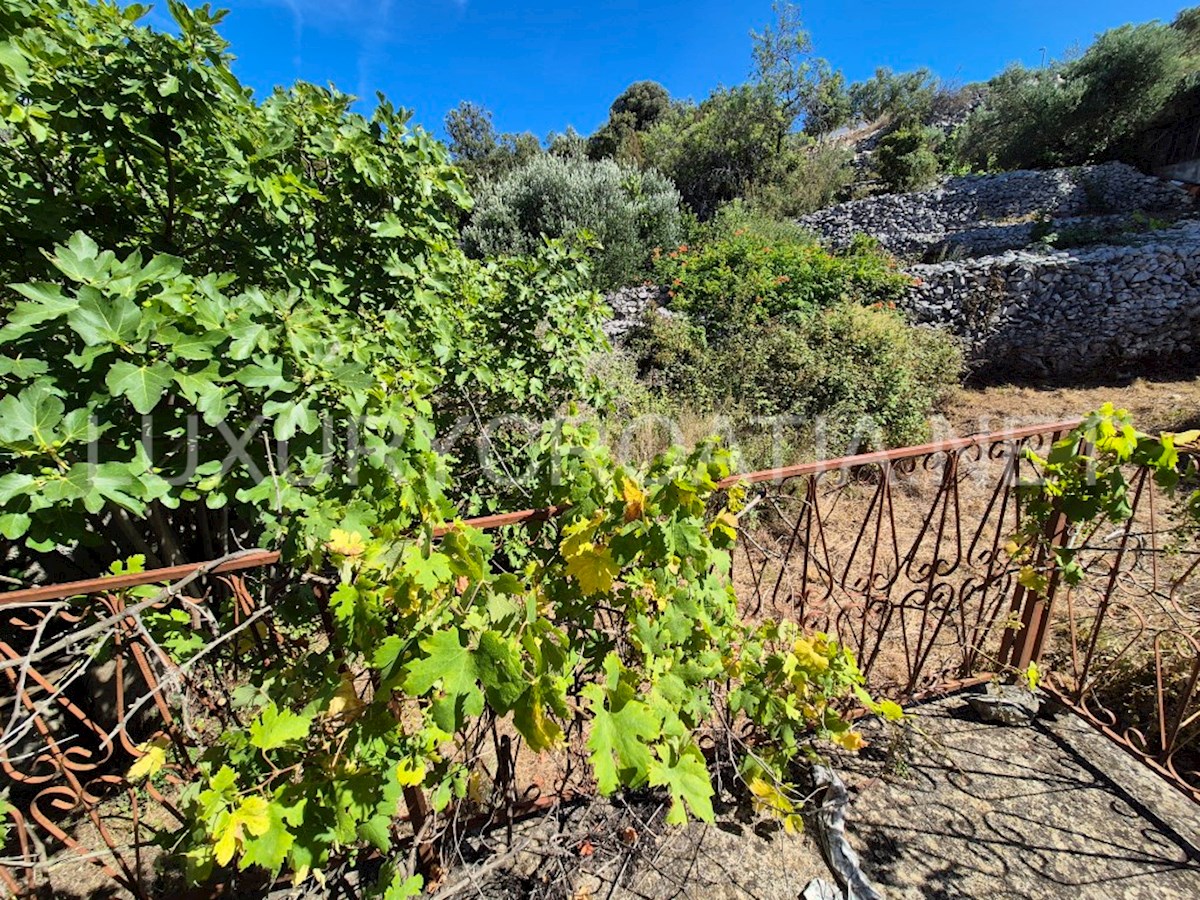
(1155, 405)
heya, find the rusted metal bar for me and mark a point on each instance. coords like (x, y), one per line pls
(485, 523)
(882, 456)
(108, 583)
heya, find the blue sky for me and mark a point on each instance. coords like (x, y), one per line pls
(542, 65)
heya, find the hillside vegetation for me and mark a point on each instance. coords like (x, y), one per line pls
(234, 322)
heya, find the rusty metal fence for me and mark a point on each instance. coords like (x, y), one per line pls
(899, 554)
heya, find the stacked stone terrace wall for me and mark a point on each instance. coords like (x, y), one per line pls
(1102, 311)
(988, 213)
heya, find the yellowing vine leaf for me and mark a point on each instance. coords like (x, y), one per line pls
(539, 730)
(808, 656)
(153, 758)
(635, 500)
(1033, 676)
(1032, 580)
(410, 771)
(890, 710)
(849, 740)
(252, 814)
(345, 700)
(345, 543)
(594, 568)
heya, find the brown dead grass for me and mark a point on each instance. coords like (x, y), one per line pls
(1156, 405)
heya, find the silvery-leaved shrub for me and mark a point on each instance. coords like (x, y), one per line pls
(629, 212)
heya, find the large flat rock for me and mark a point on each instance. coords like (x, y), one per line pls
(987, 811)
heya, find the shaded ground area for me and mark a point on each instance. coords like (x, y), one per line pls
(966, 810)
(1050, 811)
(623, 849)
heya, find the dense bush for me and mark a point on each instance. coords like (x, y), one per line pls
(284, 269)
(716, 150)
(807, 178)
(1088, 110)
(847, 375)
(481, 152)
(903, 97)
(746, 278)
(905, 160)
(630, 212)
(769, 324)
(636, 108)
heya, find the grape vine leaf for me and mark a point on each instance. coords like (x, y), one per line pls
(500, 671)
(529, 716)
(270, 848)
(252, 814)
(153, 758)
(621, 727)
(593, 567)
(452, 664)
(276, 728)
(685, 776)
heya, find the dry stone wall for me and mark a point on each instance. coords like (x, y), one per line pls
(1098, 311)
(1031, 312)
(629, 307)
(979, 214)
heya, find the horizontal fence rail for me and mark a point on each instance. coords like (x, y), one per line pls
(900, 555)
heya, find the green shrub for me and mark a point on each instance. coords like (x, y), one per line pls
(846, 374)
(1088, 110)
(903, 96)
(747, 278)
(803, 180)
(714, 151)
(285, 269)
(630, 212)
(905, 160)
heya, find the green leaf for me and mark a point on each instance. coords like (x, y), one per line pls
(267, 374)
(270, 848)
(48, 303)
(377, 831)
(143, 385)
(291, 416)
(447, 661)
(192, 346)
(276, 728)
(110, 481)
(427, 571)
(13, 525)
(14, 484)
(685, 776)
(500, 671)
(104, 320)
(622, 726)
(247, 338)
(30, 418)
(453, 665)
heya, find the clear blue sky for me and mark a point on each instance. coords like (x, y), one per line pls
(540, 65)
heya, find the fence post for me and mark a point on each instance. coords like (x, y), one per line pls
(1024, 645)
(1029, 639)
